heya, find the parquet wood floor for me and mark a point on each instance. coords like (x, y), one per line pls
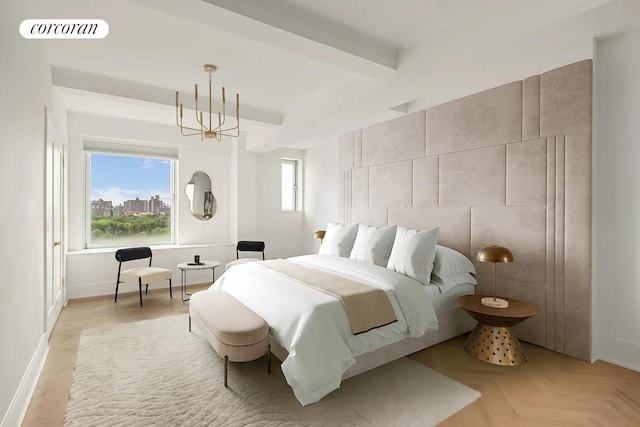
(550, 390)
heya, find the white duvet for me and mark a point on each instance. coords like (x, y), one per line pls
(313, 326)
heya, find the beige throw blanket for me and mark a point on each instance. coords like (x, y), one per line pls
(367, 307)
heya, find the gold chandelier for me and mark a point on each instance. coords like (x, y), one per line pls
(210, 130)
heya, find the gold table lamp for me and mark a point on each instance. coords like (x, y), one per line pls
(495, 254)
(319, 235)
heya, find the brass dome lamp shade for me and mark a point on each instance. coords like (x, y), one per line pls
(319, 235)
(495, 254)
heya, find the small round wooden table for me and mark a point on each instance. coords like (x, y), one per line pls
(492, 340)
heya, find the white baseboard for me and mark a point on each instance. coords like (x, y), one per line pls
(617, 351)
(109, 288)
(20, 402)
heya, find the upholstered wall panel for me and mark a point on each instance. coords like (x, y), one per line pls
(470, 178)
(527, 173)
(577, 243)
(360, 187)
(565, 99)
(522, 230)
(454, 223)
(550, 290)
(390, 184)
(346, 147)
(559, 244)
(531, 108)
(372, 216)
(357, 160)
(342, 202)
(425, 181)
(399, 139)
(509, 166)
(487, 118)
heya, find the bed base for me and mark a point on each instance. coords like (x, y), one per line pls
(452, 322)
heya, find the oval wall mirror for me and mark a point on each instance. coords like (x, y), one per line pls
(202, 203)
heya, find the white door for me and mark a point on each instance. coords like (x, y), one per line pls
(54, 289)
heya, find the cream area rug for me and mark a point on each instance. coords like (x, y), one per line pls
(157, 373)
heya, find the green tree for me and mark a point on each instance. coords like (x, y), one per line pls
(104, 228)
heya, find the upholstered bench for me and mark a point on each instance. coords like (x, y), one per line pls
(235, 332)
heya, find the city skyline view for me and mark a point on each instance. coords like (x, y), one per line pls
(118, 178)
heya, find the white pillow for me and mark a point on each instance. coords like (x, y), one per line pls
(451, 268)
(373, 244)
(449, 282)
(413, 253)
(338, 239)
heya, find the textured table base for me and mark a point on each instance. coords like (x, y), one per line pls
(495, 344)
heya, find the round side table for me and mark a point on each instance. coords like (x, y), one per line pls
(190, 266)
(492, 340)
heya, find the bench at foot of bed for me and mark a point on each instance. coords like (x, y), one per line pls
(235, 332)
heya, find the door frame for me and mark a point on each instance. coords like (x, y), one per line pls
(53, 221)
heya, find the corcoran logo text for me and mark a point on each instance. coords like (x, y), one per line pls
(64, 29)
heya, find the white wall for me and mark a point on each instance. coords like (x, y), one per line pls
(281, 231)
(246, 182)
(93, 272)
(321, 188)
(216, 164)
(25, 87)
(616, 200)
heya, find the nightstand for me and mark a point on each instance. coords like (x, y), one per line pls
(492, 340)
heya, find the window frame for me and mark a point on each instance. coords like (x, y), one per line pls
(297, 184)
(129, 152)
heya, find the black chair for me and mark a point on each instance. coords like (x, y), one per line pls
(246, 246)
(249, 246)
(140, 275)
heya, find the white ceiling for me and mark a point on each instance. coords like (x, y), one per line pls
(391, 22)
(310, 69)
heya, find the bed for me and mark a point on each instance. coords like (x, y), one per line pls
(310, 331)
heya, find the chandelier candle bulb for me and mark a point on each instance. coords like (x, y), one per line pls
(201, 127)
(224, 106)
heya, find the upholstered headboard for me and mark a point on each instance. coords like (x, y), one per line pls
(509, 166)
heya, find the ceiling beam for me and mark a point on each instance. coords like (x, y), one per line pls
(74, 79)
(290, 30)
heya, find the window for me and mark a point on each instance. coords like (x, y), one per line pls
(291, 194)
(130, 199)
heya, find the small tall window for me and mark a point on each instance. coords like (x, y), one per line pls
(130, 200)
(290, 185)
